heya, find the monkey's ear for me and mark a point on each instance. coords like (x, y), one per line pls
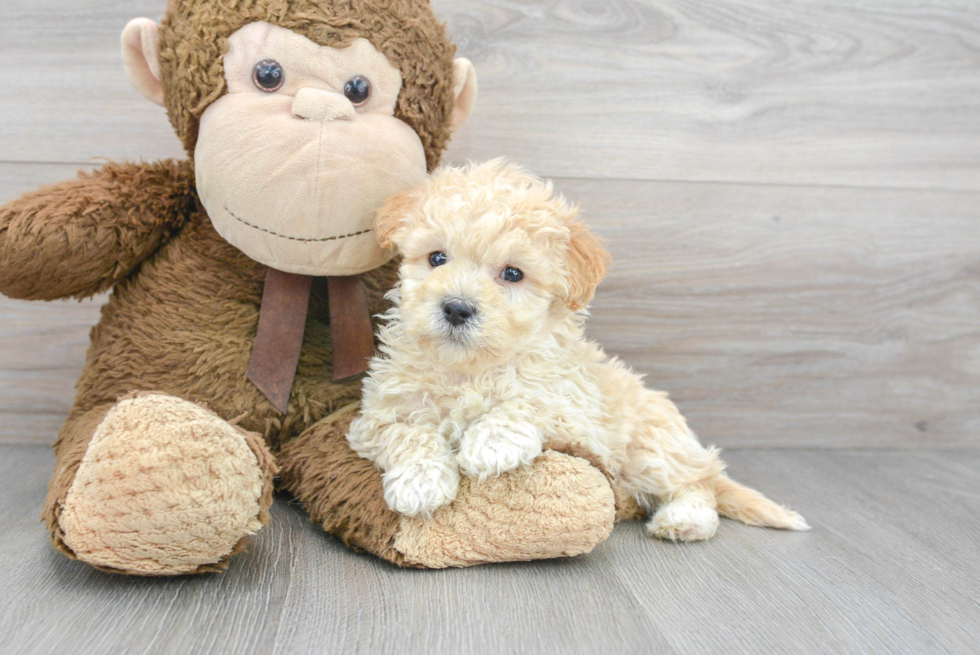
(141, 57)
(393, 216)
(464, 86)
(587, 262)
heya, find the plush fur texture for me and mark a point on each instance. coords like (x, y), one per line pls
(481, 395)
(181, 322)
(516, 516)
(195, 32)
(560, 506)
(166, 487)
(72, 240)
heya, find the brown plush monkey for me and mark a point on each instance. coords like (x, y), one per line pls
(299, 117)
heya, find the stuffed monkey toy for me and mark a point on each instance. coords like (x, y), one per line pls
(226, 359)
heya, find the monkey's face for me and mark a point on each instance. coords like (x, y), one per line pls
(294, 160)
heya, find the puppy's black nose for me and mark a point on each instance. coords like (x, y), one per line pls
(457, 311)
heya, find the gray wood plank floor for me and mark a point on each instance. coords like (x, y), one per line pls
(891, 565)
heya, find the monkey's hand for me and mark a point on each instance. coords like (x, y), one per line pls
(80, 237)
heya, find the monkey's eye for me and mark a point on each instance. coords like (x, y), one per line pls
(437, 258)
(268, 75)
(511, 274)
(358, 90)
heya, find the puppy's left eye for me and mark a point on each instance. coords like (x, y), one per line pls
(437, 258)
(511, 274)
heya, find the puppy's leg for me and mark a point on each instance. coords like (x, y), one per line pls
(662, 463)
(420, 472)
(691, 515)
(667, 467)
(501, 440)
(421, 486)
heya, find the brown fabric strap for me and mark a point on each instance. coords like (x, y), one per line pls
(282, 322)
(350, 326)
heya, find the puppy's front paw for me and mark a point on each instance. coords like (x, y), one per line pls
(681, 521)
(492, 446)
(421, 488)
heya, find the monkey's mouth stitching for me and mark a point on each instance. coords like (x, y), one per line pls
(286, 236)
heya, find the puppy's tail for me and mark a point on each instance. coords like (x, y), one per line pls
(738, 502)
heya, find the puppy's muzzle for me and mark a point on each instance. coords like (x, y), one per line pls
(457, 311)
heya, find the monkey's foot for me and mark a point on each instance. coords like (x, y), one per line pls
(559, 506)
(166, 487)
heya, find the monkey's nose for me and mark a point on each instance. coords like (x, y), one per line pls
(457, 311)
(320, 105)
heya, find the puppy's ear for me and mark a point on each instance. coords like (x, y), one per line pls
(394, 215)
(587, 262)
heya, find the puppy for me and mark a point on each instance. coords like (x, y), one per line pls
(483, 360)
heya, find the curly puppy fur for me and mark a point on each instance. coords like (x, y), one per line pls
(481, 394)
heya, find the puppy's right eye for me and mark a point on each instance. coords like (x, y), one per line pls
(438, 258)
(511, 274)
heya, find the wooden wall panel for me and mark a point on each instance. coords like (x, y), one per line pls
(782, 316)
(790, 191)
(762, 91)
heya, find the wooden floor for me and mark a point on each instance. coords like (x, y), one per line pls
(892, 565)
(791, 194)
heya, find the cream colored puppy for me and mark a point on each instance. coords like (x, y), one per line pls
(483, 361)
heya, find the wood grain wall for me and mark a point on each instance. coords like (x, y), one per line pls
(791, 192)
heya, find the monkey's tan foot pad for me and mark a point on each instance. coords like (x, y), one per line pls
(560, 506)
(166, 487)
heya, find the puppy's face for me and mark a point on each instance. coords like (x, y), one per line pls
(492, 259)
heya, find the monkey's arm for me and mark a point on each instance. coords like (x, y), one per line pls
(80, 237)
